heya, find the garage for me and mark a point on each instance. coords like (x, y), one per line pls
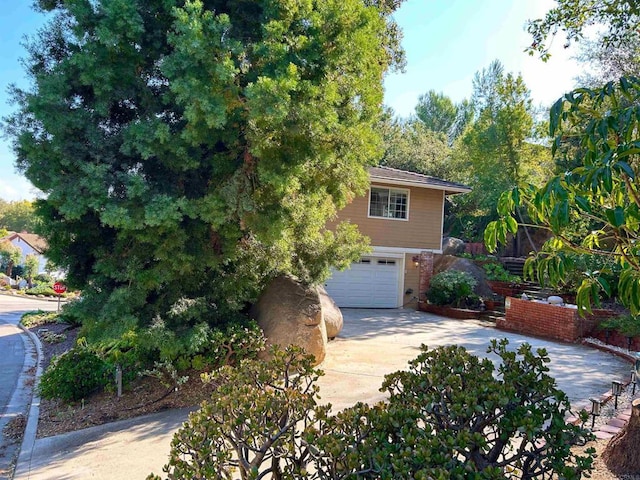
(370, 283)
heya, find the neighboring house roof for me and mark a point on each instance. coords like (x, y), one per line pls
(402, 177)
(36, 242)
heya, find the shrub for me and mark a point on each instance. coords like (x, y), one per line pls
(451, 287)
(73, 375)
(253, 424)
(497, 272)
(605, 267)
(41, 289)
(450, 415)
(627, 325)
(43, 278)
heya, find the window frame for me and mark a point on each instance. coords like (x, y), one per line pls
(405, 191)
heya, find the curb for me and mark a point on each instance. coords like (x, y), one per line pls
(23, 464)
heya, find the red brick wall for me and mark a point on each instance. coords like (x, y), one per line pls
(426, 272)
(549, 321)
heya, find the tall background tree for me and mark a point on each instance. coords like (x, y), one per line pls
(18, 216)
(191, 150)
(497, 149)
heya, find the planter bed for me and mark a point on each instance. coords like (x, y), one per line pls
(450, 312)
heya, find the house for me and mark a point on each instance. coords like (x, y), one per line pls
(29, 244)
(403, 215)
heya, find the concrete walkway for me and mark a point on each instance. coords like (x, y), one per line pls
(372, 344)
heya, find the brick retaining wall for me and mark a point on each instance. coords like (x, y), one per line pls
(549, 321)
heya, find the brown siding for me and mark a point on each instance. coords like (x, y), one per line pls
(423, 230)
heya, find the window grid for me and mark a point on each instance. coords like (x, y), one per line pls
(388, 203)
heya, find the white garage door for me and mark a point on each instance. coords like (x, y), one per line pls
(370, 283)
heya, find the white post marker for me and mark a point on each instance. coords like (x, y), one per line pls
(59, 288)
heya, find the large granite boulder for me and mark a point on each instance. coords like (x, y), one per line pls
(290, 313)
(331, 313)
(452, 246)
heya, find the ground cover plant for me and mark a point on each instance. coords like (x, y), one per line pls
(450, 415)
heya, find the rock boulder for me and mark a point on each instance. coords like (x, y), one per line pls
(452, 246)
(290, 313)
(331, 313)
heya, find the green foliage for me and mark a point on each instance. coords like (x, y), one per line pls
(31, 266)
(450, 287)
(40, 317)
(41, 289)
(603, 187)
(580, 265)
(467, 416)
(450, 415)
(252, 426)
(18, 216)
(496, 271)
(439, 114)
(627, 325)
(409, 145)
(620, 19)
(495, 152)
(74, 375)
(10, 256)
(43, 278)
(193, 149)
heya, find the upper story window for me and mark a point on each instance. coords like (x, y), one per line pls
(389, 203)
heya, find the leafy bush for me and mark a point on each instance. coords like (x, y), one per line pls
(497, 272)
(451, 287)
(253, 424)
(451, 415)
(41, 289)
(43, 278)
(590, 265)
(73, 375)
(627, 325)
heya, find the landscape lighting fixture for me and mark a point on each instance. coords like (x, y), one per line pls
(634, 381)
(595, 411)
(616, 389)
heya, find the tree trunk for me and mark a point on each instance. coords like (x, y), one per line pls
(621, 454)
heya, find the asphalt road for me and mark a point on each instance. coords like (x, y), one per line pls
(17, 359)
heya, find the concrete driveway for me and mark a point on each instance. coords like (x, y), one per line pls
(372, 344)
(377, 342)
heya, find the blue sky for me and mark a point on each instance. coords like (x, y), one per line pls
(446, 42)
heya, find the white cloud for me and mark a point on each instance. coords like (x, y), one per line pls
(14, 187)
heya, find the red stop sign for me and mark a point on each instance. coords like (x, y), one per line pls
(59, 287)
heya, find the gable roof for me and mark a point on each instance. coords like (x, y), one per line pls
(36, 242)
(394, 176)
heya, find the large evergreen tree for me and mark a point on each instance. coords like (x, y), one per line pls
(190, 150)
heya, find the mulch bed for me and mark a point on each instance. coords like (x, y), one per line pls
(143, 396)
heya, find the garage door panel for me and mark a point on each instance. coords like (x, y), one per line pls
(373, 282)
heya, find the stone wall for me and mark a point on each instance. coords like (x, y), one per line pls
(532, 317)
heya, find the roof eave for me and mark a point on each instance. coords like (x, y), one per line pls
(448, 189)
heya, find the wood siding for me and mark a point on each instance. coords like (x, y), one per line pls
(423, 229)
